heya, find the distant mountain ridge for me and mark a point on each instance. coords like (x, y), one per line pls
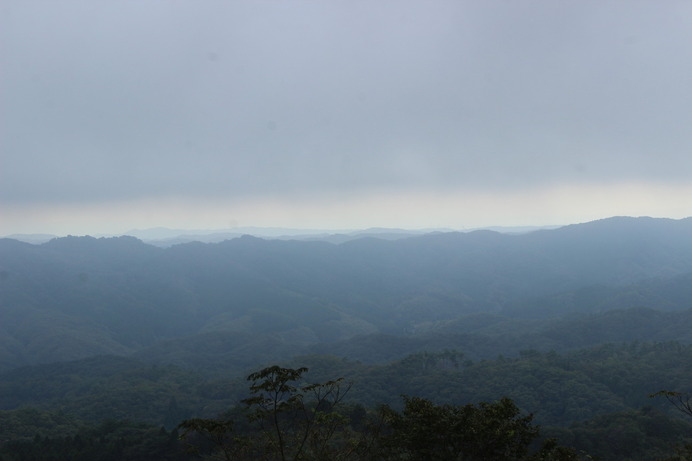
(165, 237)
(75, 297)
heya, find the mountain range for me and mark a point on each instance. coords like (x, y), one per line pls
(254, 299)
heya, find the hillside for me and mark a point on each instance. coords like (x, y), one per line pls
(577, 325)
(76, 297)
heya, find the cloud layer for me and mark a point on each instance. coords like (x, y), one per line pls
(131, 102)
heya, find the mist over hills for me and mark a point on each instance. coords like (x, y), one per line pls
(255, 299)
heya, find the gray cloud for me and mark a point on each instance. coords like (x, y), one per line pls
(125, 100)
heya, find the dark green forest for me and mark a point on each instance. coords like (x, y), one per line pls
(107, 345)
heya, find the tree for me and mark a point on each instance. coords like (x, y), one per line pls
(683, 402)
(485, 432)
(218, 432)
(681, 454)
(288, 421)
(296, 422)
(680, 400)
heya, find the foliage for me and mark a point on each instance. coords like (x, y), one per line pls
(287, 420)
(105, 387)
(218, 432)
(27, 422)
(680, 400)
(286, 417)
(489, 431)
(647, 434)
(495, 431)
(681, 454)
(107, 441)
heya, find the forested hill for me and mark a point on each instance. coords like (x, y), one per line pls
(75, 297)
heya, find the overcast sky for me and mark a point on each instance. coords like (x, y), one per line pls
(341, 114)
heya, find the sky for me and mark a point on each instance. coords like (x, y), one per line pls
(337, 114)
